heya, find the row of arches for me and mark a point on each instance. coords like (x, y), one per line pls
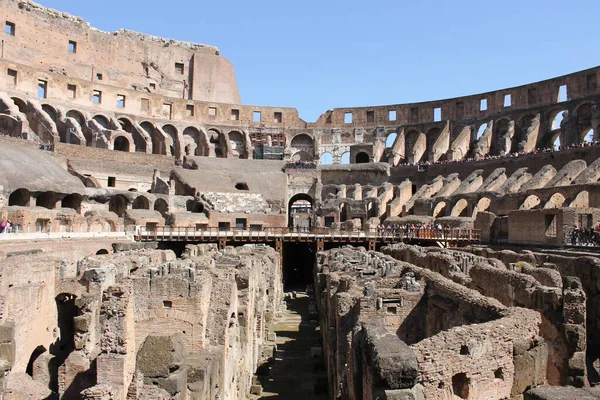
(50, 200)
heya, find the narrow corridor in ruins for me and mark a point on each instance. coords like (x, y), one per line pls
(298, 370)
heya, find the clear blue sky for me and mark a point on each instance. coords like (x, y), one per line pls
(319, 55)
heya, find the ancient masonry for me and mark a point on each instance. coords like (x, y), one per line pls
(161, 240)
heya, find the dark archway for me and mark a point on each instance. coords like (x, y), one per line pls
(34, 356)
(362, 158)
(300, 211)
(171, 131)
(46, 200)
(157, 138)
(51, 111)
(20, 104)
(72, 201)
(141, 203)
(194, 206)
(101, 252)
(19, 197)
(101, 120)
(161, 206)
(139, 143)
(121, 144)
(118, 205)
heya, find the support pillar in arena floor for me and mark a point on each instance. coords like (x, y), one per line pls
(320, 245)
(222, 244)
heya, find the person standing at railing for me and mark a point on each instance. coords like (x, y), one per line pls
(3, 226)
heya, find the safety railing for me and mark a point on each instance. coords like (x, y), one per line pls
(299, 234)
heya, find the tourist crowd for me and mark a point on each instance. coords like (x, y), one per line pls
(6, 226)
(585, 236)
(406, 229)
(301, 165)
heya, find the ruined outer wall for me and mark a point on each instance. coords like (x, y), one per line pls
(124, 58)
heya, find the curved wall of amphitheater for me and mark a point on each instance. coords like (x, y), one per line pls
(68, 82)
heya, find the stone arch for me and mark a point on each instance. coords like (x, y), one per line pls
(555, 118)
(20, 197)
(102, 252)
(141, 203)
(118, 204)
(38, 351)
(481, 130)
(139, 142)
(72, 201)
(192, 145)
(161, 206)
(50, 111)
(326, 158)
(390, 139)
(172, 133)
(460, 208)
(216, 139)
(77, 116)
(303, 142)
(306, 203)
(557, 200)
(301, 156)
(20, 103)
(439, 210)
(102, 120)
(435, 146)
(345, 158)
(581, 200)
(484, 204)
(46, 200)
(158, 141)
(416, 144)
(362, 158)
(121, 143)
(583, 115)
(194, 206)
(531, 202)
(237, 144)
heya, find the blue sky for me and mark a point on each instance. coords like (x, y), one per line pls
(319, 55)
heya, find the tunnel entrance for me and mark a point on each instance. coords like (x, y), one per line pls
(298, 263)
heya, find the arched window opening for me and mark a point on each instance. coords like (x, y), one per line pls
(215, 140)
(241, 186)
(390, 140)
(20, 104)
(157, 139)
(557, 119)
(161, 206)
(588, 135)
(34, 356)
(194, 206)
(556, 143)
(48, 109)
(101, 252)
(118, 205)
(326, 158)
(172, 132)
(77, 116)
(362, 158)
(72, 201)
(238, 146)
(481, 130)
(345, 158)
(101, 120)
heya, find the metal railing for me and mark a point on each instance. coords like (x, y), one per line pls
(293, 234)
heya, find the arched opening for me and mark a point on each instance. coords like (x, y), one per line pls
(50, 111)
(390, 140)
(118, 205)
(556, 201)
(304, 143)
(238, 145)
(557, 119)
(72, 201)
(300, 211)
(102, 121)
(139, 142)
(157, 138)
(326, 158)
(191, 142)
(415, 145)
(20, 197)
(581, 200)
(345, 158)
(121, 144)
(141, 203)
(161, 206)
(531, 202)
(46, 200)
(65, 344)
(440, 209)
(556, 142)
(362, 158)
(194, 206)
(484, 204)
(216, 140)
(20, 104)
(460, 209)
(32, 359)
(301, 156)
(460, 385)
(241, 186)
(481, 130)
(588, 135)
(101, 252)
(77, 116)
(171, 131)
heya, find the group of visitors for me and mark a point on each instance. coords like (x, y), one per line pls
(406, 229)
(404, 163)
(301, 165)
(585, 236)
(46, 146)
(6, 226)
